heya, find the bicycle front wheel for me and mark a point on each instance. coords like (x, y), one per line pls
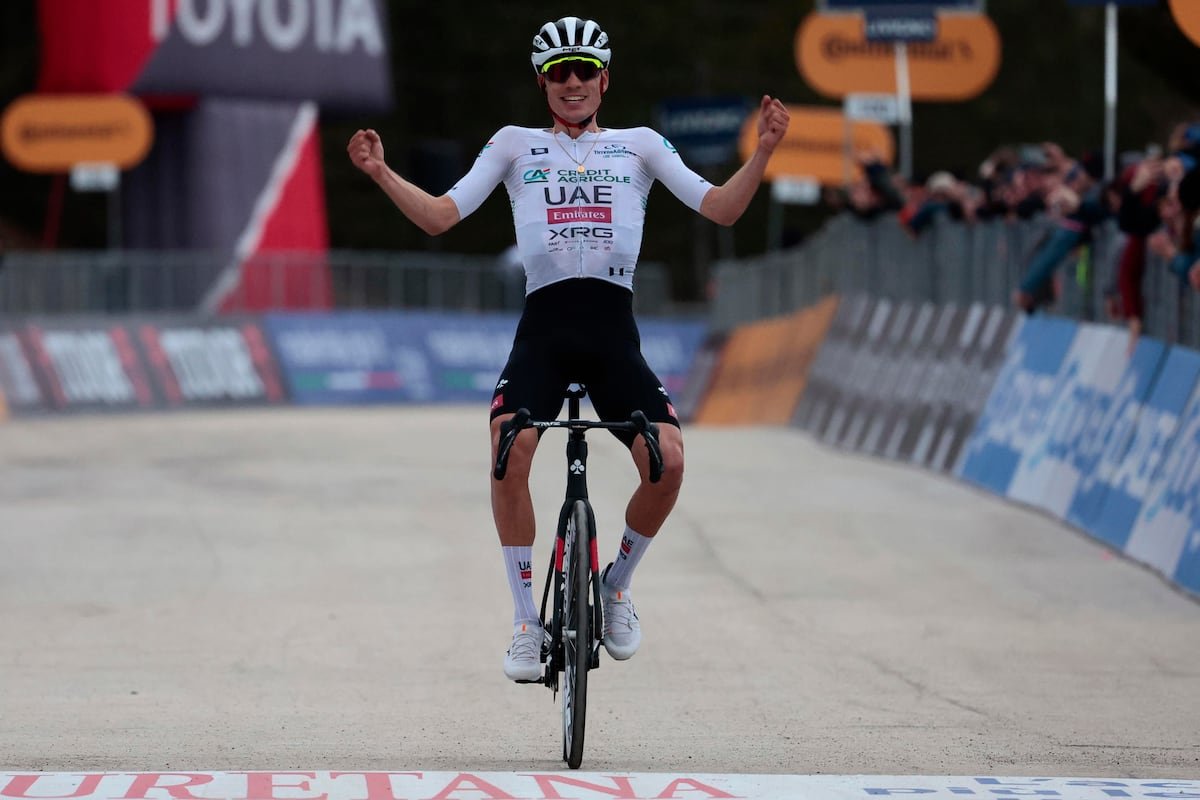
(577, 631)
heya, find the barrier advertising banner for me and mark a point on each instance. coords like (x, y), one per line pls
(823, 390)
(206, 362)
(1026, 389)
(1166, 533)
(1139, 515)
(857, 374)
(1097, 441)
(88, 365)
(428, 357)
(1091, 372)
(18, 383)
(94, 364)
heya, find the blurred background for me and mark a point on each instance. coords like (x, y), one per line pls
(448, 76)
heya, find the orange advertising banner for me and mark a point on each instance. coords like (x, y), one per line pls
(763, 368)
(816, 146)
(1187, 17)
(53, 133)
(835, 58)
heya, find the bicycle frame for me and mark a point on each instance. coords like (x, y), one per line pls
(556, 653)
(577, 453)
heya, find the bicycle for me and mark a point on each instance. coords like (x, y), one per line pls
(572, 643)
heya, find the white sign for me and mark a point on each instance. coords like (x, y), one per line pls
(883, 108)
(95, 177)
(797, 190)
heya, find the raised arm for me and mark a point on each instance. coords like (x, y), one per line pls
(726, 203)
(434, 215)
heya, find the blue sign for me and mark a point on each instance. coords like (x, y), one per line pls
(362, 358)
(1026, 388)
(704, 130)
(894, 24)
(1099, 444)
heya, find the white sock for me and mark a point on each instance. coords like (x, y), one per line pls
(633, 546)
(518, 563)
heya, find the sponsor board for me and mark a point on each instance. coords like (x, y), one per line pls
(1026, 389)
(332, 51)
(880, 413)
(824, 387)
(908, 413)
(1046, 475)
(846, 421)
(18, 383)
(209, 362)
(763, 367)
(819, 144)
(835, 57)
(402, 783)
(1139, 513)
(53, 133)
(700, 376)
(1101, 434)
(1166, 533)
(87, 365)
(429, 357)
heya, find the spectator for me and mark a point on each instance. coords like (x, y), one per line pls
(873, 193)
(1141, 186)
(944, 195)
(1077, 202)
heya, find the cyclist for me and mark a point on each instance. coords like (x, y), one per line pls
(578, 194)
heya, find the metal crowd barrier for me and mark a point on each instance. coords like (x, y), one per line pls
(950, 262)
(73, 282)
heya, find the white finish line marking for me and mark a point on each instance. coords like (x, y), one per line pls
(418, 785)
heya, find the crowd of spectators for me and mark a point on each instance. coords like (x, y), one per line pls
(1154, 200)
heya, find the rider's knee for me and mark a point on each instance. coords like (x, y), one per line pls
(672, 475)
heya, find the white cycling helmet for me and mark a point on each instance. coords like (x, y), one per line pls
(570, 37)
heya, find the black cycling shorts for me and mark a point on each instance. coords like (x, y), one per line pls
(581, 330)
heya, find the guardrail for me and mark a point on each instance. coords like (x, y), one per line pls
(128, 281)
(949, 263)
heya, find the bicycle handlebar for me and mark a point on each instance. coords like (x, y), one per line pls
(638, 423)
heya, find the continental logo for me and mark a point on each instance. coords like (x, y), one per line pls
(836, 47)
(835, 57)
(536, 176)
(53, 133)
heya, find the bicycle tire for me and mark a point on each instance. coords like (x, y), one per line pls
(577, 633)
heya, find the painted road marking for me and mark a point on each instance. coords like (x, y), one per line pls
(414, 784)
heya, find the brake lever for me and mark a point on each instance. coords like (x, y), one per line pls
(508, 434)
(649, 432)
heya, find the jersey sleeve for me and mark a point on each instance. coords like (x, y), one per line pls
(664, 164)
(489, 169)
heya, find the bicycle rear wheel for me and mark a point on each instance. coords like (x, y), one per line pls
(577, 631)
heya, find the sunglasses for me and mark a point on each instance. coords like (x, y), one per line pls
(560, 71)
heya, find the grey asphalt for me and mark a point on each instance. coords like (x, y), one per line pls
(322, 589)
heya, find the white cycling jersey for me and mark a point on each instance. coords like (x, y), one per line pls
(578, 204)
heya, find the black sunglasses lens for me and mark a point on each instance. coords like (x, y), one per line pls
(560, 72)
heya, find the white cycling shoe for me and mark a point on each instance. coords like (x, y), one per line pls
(622, 631)
(523, 662)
